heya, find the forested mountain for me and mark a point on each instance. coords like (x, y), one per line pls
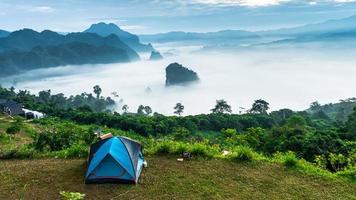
(334, 111)
(330, 26)
(27, 49)
(75, 53)
(176, 74)
(26, 39)
(130, 39)
(210, 37)
(4, 33)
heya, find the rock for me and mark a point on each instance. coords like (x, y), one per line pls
(155, 55)
(176, 74)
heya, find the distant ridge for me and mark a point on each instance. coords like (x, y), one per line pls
(26, 39)
(219, 36)
(4, 33)
(130, 39)
(334, 25)
(27, 49)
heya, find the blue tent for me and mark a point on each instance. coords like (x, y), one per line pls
(115, 159)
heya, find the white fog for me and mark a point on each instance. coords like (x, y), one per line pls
(285, 78)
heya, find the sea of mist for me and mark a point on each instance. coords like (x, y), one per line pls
(286, 78)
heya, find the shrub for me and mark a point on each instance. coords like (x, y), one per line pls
(181, 133)
(22, 152)
(288, 159)
(72, 195)
(202, 150)
(15, 126)
(13, 129)
(78, 150)
(348, 173)
(337, 161)
(58, 137)
(242, 154)
(164, 147)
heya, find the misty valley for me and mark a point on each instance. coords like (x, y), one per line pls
(178, 100)
(233, 66)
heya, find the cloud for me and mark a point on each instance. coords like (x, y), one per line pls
(344, 1)
(257, 3)
(250, 3)
(132, 27)
(41, 9)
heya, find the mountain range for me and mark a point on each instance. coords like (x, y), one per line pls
(130, 39)
(210, 37)
(320, 32)
(329, 26)
(27, 49)
(4, 33)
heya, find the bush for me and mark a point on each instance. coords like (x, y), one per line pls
(202, 150)
(78, 150)
(13, 129)
(21, 153)
(164, 147)
(348, 173)
(176, 148)
(72, 195)
(242, 154)
(59, 137)
(288, 159)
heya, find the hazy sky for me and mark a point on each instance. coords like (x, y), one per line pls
(151, 16)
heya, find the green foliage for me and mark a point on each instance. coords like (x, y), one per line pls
(13, 130)
(229, 132)
(337, 161)
(260, 106)
(349, 173)
(296, 122)
(199, 149)
(59, 136)
(78, 150)
(221, 107)
(71, 195)
(178, 109)
(289, 159)
(15, 127)
(242, 154)
(181, 133)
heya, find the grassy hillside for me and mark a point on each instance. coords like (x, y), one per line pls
(246, 175)
(165, 178)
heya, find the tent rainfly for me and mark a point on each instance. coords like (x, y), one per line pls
(115, 159)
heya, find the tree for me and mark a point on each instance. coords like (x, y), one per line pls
(221, 107)
(260, 106)
(296, 121)
(178, 109)
(97, 91)
(315, 106)
(140, 110)
(351, 125)
(44, 96)
(148, 110)
(125, 108)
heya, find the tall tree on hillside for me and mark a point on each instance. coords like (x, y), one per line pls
(45, 96)
(97, 91)
(221, 107)
(125, 108)
(148, 110)
(140, 110)
(178, 109)
(260, 106)
(315, 106)
(351, 125)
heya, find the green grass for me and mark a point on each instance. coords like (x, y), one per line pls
(165, 178)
